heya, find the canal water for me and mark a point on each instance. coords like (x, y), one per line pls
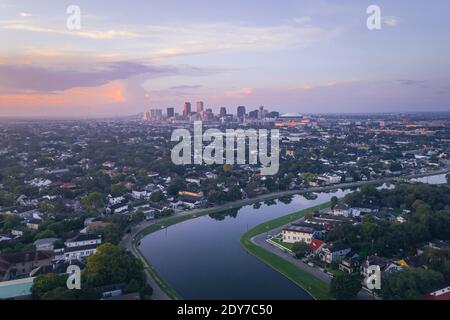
(202, 258)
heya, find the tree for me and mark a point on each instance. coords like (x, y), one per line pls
(227, 167)
(6, 199)
(157, 196)
(117, 189)
(344, 286)
(111, 234)
(300, 249)
(11, 221)
(334, 201)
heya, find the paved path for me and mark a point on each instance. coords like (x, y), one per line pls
(159, 294)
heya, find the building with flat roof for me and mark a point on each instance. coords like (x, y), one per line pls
(14, 289)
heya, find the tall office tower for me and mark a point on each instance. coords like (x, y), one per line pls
(200, 106)
(240, 111)
(156, 114)
(187, 109)
(223, 112)
(170, 112)
(253, 114)
(146, 116)
(274, 114)
(261, 112)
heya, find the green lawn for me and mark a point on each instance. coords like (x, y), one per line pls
(315, 287)
(283, 244)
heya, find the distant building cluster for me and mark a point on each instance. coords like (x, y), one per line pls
(200, 113)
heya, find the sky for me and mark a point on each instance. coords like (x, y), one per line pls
(315, 56)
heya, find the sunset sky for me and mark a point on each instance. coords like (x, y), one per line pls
(292, 56)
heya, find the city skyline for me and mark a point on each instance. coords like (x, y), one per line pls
(294, 56)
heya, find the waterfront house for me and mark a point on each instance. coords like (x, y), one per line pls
(351, 263)
(334, 251)
(80, 247)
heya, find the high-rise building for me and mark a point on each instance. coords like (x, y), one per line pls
(253, 114)
(223, 112)
(241, 112)
(273, 114)
(261, 112)
(200, 106)
(187, 109)
(170, 112)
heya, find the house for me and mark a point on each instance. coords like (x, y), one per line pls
(82, 246)
(20, 265)
(139, 194)
(330, 179)
(301, 232)
(95, 225)
(4, 238)
(316, 245)
(441, 294)
(402, 218)
(384, 216)
(46, 244)
(108, 164)
(118, 208)
(375, 260)
(351, 263)
(16, 289)
(436, 245)
(341, 209)
(192, 195)
(334, 251)
(33, 223)
(17, 233)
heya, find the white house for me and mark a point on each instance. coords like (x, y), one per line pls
(46, 244)
(139, 194)
(300, 233)
(4, 238)
(330, 179)
(334, 252)
(81, 246)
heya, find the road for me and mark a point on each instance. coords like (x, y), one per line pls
(127, 243)
(260, 240)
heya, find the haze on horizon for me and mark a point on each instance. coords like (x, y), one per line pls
(306, 56)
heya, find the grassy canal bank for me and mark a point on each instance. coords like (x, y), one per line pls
(317, 288)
